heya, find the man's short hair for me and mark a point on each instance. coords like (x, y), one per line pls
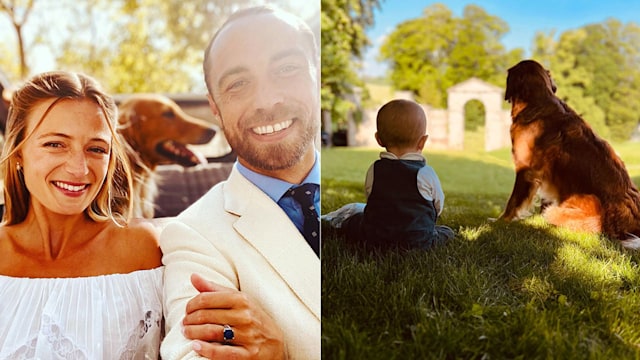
(291, 19)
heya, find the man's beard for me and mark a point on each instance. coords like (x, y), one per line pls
(275, 156)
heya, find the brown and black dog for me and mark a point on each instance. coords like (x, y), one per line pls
(158, 131)
(583, 185)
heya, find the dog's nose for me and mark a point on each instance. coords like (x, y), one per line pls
(208, 134)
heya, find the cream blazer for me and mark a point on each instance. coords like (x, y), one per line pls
(236, 236)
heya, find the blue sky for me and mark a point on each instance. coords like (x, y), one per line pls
(525, 18)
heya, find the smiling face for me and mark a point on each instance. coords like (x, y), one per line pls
(264, 88)
(65, 158)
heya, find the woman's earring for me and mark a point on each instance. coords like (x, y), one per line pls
(19, 167)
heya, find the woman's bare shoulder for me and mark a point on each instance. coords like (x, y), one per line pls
(145, 228)
(6, 240)
(4, 231)
(140, 238)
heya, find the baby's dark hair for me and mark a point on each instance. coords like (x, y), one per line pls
(400, 123)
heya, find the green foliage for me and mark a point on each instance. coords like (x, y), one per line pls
(596, 67)
(144, 48)
(343, 39)
(474, 115)
(8, 64)
(191, 24)
(523, 290)
(132, 45)
(18, 13)
(597, 70)
(431, 53)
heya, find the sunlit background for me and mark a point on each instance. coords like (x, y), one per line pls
(130, 46)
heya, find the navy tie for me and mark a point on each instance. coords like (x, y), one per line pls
(304, 194)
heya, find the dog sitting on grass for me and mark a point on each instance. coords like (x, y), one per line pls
(582, 183)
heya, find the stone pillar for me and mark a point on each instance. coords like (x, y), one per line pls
(494, 128)
(456, 122)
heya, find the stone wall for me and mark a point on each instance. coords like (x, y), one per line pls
(446, 126)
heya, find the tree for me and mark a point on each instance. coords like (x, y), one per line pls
(431, 53)
(129, 53)
(18, 13)
(133, 45)
(418, 51)
(597, 70)
(343, 40)
(8, 67)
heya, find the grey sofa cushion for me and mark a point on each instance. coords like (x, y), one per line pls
(179, 187)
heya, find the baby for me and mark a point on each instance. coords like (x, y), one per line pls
(404, 195)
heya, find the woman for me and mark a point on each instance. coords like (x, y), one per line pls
(78, 278)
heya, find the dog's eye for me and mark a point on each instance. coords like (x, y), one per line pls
(169, 114)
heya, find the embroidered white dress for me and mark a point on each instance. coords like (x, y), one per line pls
(116, 316)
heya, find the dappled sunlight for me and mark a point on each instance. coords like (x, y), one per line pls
(335, 194)
(626, 330)
(538, 288)
(501, 288)
(586, 241)
(473, 233)
(577, 265)
(537, 222)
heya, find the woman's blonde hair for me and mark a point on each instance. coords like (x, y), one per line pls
(114, 200)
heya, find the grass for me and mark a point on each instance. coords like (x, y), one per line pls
(523, 290)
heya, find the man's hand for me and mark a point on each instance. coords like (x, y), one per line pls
(256, 336)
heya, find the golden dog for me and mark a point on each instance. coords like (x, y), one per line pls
(582, 183)
(158, 132)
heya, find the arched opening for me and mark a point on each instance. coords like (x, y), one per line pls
(474, 125)
(496, 120)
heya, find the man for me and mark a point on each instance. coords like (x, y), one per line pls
(261, 70)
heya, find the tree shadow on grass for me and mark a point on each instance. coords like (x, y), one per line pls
(498, 290)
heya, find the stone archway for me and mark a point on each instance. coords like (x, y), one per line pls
(446, 126)
(497, 119)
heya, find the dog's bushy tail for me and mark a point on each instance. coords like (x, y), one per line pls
(579, 212)
(632, 242)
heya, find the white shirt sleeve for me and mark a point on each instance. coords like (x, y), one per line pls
(430, 188)
(368, 181)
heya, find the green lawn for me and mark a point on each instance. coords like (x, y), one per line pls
(523, 290)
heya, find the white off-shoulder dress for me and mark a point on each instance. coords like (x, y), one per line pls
(116, 316)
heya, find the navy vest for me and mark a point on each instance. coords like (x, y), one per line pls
(396, 214)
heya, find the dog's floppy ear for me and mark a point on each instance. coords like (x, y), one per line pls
(516, 85)
(553, 83)
(528, 81)
(128, 117)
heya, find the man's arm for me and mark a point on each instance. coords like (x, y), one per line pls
(197, 308)
(186, 252)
